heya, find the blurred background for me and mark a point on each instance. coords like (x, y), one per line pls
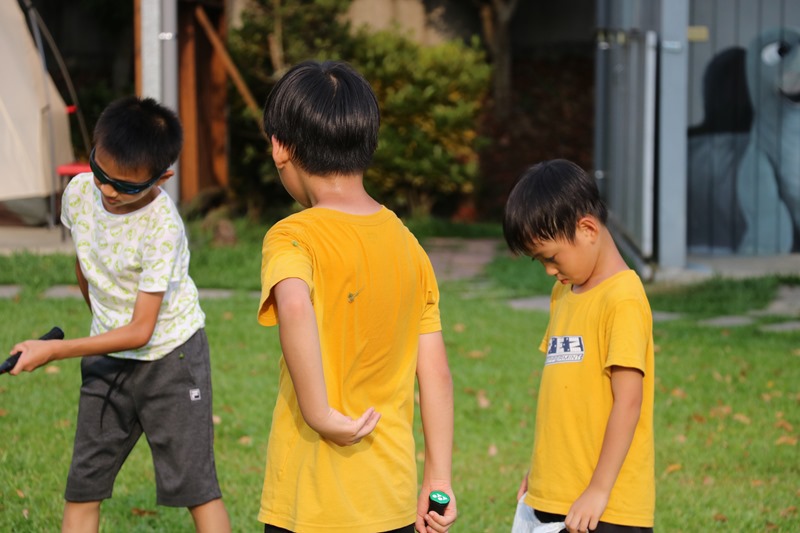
(685, 111)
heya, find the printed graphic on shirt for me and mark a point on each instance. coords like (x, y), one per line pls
(566, 349)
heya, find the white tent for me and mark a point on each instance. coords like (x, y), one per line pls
(34, 124)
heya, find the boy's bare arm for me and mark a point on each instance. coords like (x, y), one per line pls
(134, 334)
(301, 349)
(436, 410)
(626, 385)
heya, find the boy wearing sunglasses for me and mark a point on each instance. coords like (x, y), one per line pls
(145, 366)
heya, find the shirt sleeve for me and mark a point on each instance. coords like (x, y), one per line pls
(628, 330)
(283, 255)
(69, 201)
(431, 318)
(162, 251)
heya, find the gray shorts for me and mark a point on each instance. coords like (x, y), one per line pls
(169, 400)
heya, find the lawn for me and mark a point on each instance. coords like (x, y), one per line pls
(727, 414)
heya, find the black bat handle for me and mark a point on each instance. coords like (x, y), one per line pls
(9, 363)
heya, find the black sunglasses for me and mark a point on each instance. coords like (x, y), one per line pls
(123, 187)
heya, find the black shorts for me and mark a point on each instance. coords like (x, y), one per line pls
(602, 527)
(273, 529)
(169, 400)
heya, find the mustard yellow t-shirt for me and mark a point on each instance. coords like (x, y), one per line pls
(374, 292)
(588, 333)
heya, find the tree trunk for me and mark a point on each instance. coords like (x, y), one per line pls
(497, 25)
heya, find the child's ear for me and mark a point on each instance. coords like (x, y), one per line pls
(588, 226)
(165, 176)
(280, 155)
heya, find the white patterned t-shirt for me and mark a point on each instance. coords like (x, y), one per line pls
(122, 255)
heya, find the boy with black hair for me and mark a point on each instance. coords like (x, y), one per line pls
(592, 465)
(356, 302)
(145, 367)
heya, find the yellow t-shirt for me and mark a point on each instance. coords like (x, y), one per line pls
(374, 292)
(588, 333)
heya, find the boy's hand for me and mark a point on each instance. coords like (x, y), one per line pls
(33, 354)
(523, 487)
(433, 522)
(343, 430)
(586, 510)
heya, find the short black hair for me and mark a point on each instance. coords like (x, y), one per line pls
(547, 202)
(327, 117)
(139, 134)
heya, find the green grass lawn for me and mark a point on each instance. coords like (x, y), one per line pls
(726, 419)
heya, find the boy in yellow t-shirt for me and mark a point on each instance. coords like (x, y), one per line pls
(592, 465)
(356, 302)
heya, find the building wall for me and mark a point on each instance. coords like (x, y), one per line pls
(744, 135)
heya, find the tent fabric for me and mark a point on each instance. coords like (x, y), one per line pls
(30, 148)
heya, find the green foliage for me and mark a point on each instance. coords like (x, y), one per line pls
(309, 29)
(429, 96)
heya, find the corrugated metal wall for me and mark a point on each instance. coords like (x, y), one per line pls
(744, 136)
(626, 116)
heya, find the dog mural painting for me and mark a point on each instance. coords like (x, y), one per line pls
(744, 159)
(768, 181)
(714, 151)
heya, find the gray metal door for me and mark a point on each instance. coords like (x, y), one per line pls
(625, 131)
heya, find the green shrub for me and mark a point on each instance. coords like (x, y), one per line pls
(429, 97)
(309, 29)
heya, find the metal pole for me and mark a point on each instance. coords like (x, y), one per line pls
(168, 39)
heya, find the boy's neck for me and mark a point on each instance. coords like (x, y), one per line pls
(609, 262)
(343, 193)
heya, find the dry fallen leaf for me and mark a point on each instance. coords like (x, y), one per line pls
(3, 412)
(25, 514)
(740, 417)
(789, 511)
(786, 440)
(477, 354)
(64, 423)
(216, 419)
(680, 439)
(20, 493)
(721, 411)
(492, 450)
(784, 425)
(459, 327)
(227, 315)
(50, 369)
(697, 417)
(142, 512)
(678, 393)
(246, 440)
(708, 480)
(674, 467)
(756, 483)
(719, 517)
(483, 400)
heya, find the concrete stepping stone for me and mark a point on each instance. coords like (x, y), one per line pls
(9, 292)
(781, 327)
(728, 321)
(61, 292)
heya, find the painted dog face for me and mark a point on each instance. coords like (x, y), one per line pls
(775, 58)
